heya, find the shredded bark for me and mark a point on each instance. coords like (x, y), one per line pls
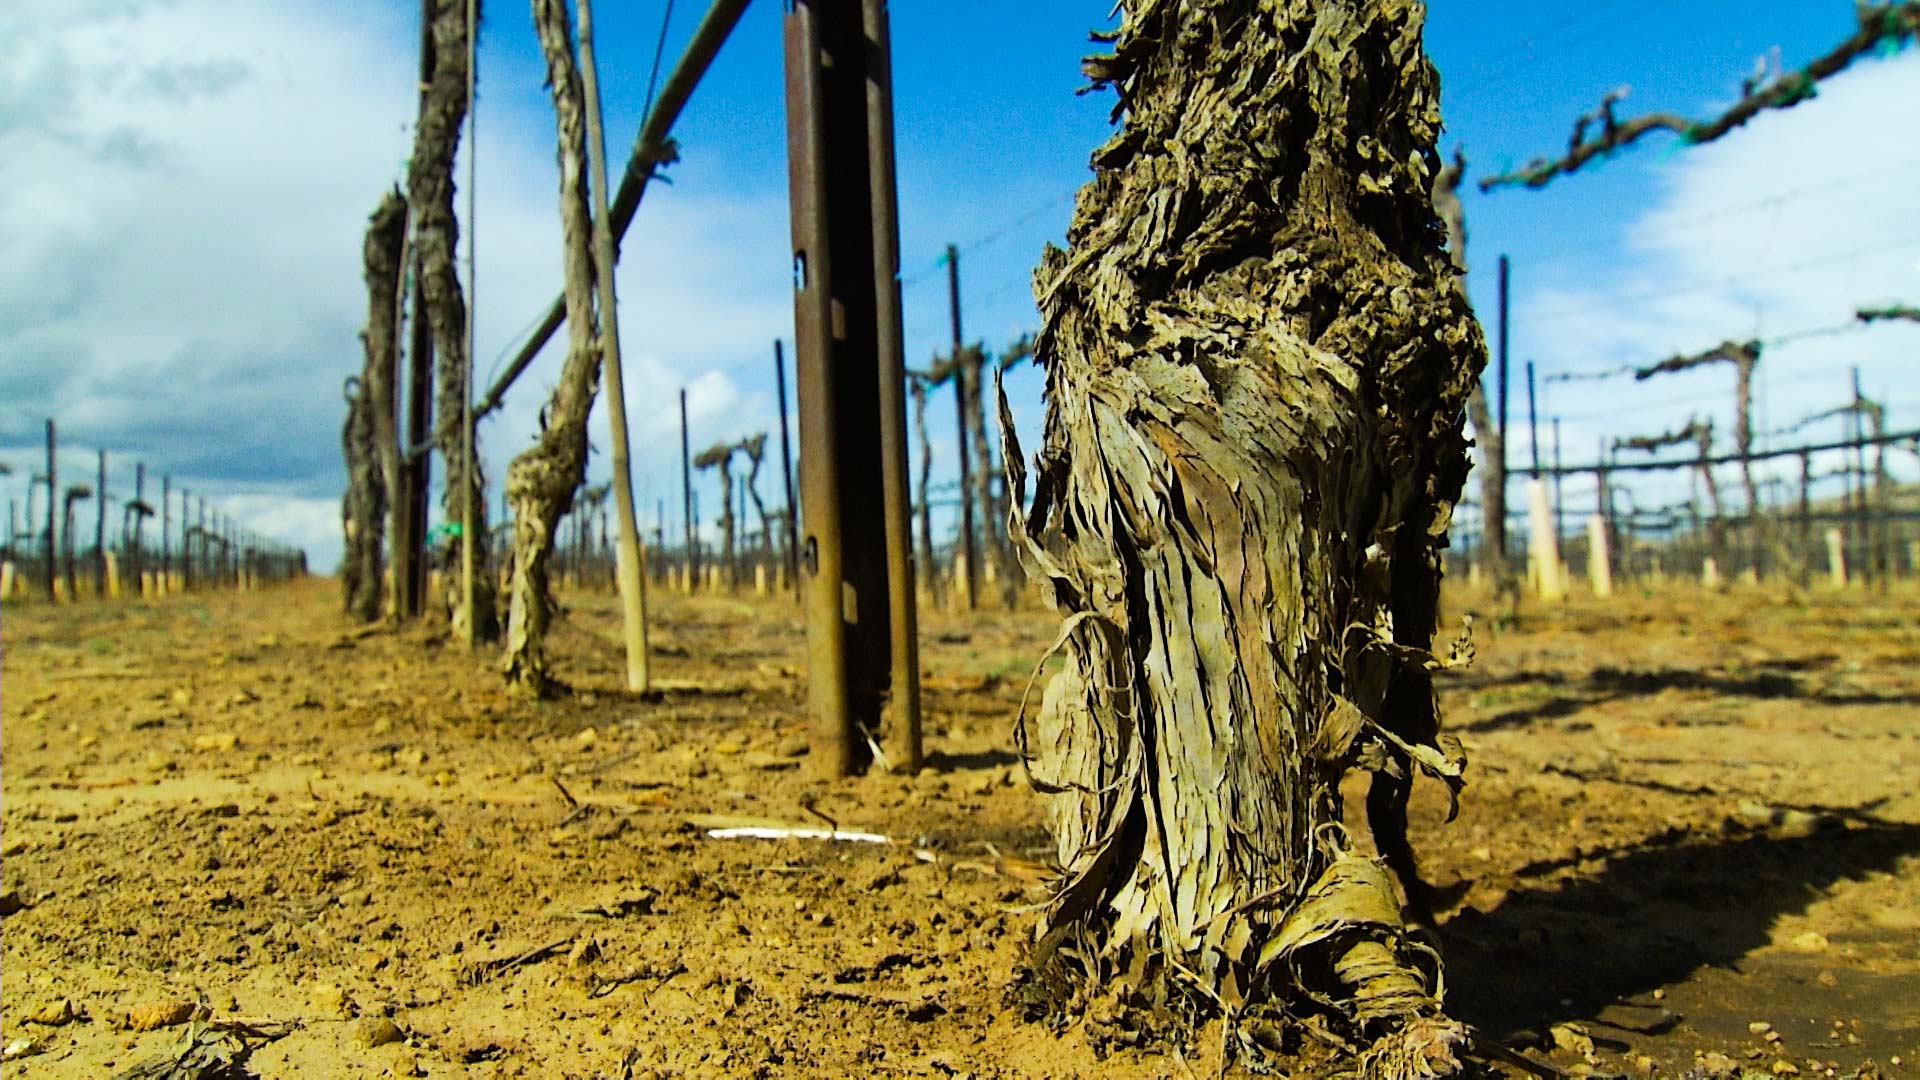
(430, 190)
(1257, 367)
(543, 480)
(372, 452)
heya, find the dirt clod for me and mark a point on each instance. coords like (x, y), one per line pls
(161, 1014)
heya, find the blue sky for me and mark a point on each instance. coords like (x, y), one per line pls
(179, 262)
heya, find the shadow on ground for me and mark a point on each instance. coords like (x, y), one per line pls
(1614, 684)
(1652, 917)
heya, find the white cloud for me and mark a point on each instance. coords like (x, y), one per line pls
(180, 278)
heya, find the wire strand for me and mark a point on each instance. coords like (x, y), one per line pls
(659, 50)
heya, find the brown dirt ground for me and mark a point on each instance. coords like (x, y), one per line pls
(1688, 815)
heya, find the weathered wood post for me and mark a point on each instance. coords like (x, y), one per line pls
(629, 568)
(1836, 558)
(1599, 561)
(1543, 548)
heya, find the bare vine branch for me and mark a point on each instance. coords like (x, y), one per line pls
(1744, 356)
(1888, 25)
(1889, 313)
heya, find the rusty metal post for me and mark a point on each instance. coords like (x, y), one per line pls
(786, 468)
(686, 494)
(902, 606)
(970, 556)
(136, 544)
(186, 539)
(100, 533)
(850, 375)
(53, 499)
(166, 524)
(204, 572)
(1862, 523)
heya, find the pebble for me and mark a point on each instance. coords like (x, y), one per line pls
(52, 1014)
(329, 997)
(1811, 941)
(379, 1031)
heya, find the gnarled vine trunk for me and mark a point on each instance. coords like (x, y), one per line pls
(719, 457)
(443, 107)
(360, 509)
(969, 377)
(1257, 364)
(373, 461)
(917, 385)
(755, 448)
(542, 481)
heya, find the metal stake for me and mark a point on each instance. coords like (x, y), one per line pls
(850, 378)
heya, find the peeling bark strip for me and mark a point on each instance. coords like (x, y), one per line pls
(373, 472)
(443, 107)
(542, 481)
(1257, 364)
